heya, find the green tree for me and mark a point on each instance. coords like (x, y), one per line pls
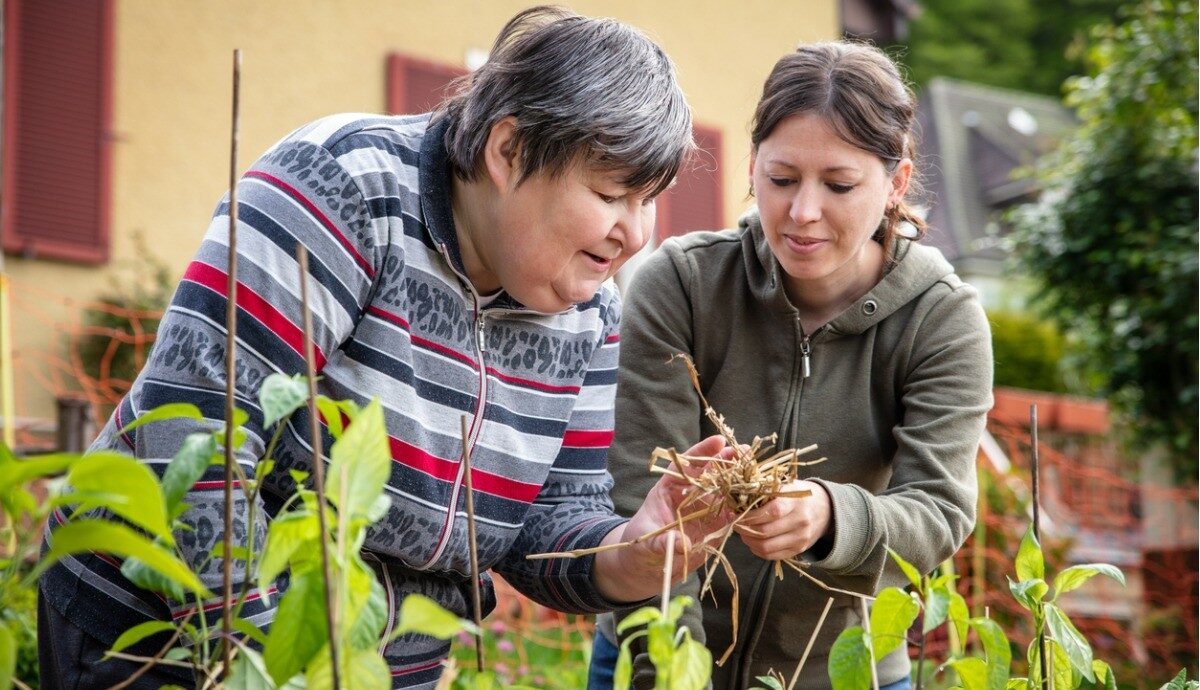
(1016, 44)
(1112, 241)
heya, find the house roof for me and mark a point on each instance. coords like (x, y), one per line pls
(972, 140)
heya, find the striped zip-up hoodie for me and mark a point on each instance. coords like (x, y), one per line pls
(394, 317)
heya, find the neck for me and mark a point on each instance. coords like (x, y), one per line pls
(820, 300)
(469, 204)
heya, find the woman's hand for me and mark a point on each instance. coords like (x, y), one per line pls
(787, 527)
(635, 572)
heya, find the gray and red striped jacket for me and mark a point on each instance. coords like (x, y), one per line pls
(394, 317)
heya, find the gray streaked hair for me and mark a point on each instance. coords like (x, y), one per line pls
(581, 90)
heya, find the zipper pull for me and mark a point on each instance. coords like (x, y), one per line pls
(805, 357)
(479, 333)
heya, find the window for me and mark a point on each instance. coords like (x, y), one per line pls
(696, 202)
(57, 113)
(417, 86)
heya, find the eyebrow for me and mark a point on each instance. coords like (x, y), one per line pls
(836, 168)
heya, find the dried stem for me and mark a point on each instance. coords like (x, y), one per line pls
(318, 463)
(666, 585)
(477, 606)
(811, 640)
(153, 661)
(230, 370)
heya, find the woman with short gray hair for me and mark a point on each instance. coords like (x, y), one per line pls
(461, 263)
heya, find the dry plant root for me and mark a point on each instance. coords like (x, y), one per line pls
(753, 477)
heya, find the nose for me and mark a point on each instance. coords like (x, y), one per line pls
(806, 205)
(634, 225)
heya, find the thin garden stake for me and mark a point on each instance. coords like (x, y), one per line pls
(1047, 662)
(866, 618)
(318, 463)
(808, 648)
(476, 604)
(230, 370)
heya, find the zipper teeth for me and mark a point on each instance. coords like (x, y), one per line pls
(472, 432)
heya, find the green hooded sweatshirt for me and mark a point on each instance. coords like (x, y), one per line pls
(897, 391)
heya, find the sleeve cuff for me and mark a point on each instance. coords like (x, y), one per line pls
(852, 526)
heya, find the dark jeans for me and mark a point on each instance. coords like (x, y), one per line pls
(70, 659)
(604, 660)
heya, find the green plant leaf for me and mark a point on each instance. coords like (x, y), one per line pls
(677, 606)
(1018, 684)
(362, 669)
(1030, 564)
(186, 468)
(371, 618)
(287, 534)
(139, 573)
(163, 412)
(332, 412)
(623, 670)
(996, 648)
(850, 660)
(378, 509)
(660, 643)
(642, 616)
(251, 631)
(771, 682)
(1179, 682)
(8, 657)
(119, 540)
(134, 490)
(280, 396)
(910, 571)
(1073, 642)
(15, 472)
(960, 615)
(1104, 674)
(298, 631)
(691, 665)
(937, 608)
(361, 463)
(1028, 592)
(140, 632)
(1071, 578)
(1062, 675)
(892, 615)
(248, 672)
(420, 614)
(972, 673)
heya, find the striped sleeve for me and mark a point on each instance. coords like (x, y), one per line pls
(573, 510)
(296, 194)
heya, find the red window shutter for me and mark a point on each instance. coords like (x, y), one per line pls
(696, 202)
(57, 114)
(417, 86)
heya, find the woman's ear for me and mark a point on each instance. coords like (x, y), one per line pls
(500, 159)
(900, 179)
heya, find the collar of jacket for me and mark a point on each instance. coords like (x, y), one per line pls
(434, 177)
(918, 267)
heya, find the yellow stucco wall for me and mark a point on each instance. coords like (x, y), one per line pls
(307, 58)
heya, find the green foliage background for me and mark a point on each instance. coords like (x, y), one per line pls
(1112, 241)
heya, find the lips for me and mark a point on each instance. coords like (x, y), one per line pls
(804, 245)
(599, 262)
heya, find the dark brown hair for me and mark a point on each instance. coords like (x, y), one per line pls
(860, 92)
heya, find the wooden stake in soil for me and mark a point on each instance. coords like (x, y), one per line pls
(476, 603)
(318, 463)
(866, 618)
(1047, 662)
(230, 370)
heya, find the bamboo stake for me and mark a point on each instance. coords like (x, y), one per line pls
(318, 463)
(665, 604)
(230, 371)
(811, 640)
(477, 605)
(866, 618)
(1047, 662)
